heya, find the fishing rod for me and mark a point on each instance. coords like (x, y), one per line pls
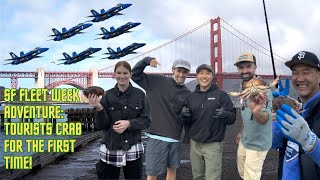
(272, 59)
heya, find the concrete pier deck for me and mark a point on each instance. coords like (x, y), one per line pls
(81, 165)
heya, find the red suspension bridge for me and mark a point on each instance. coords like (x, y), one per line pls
(214, 42)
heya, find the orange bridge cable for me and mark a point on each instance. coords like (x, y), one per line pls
(253, 46)
(169, 42)
(247, 43)
(165, 44)
(245, 35)
(250, 38)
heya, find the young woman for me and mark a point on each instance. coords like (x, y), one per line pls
(121, 114)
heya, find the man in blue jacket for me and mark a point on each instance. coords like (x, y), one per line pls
(302, 150)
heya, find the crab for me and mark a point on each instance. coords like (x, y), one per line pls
(293, 103)
(278, 101)
(254, 88)
(94, 90)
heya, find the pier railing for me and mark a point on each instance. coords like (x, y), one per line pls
(83, 115)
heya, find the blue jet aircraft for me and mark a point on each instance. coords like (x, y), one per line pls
(108, 14)
(78, 57)
(25, 57)
(65, 34)
(116, 32)
(123, 52)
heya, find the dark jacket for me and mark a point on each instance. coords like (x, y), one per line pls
(201, 126)
(128, 105)
(165, 97)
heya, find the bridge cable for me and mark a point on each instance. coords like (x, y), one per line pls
(225, 28)
(163, 45)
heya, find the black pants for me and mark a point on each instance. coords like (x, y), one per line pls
(133, 170)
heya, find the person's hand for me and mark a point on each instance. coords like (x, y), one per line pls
(94, 101)
(121, 125)
(295, 127)
(220, 113)
(283, 91)
(257, 102)
(238, 138)
(185, 112)
(154, 63)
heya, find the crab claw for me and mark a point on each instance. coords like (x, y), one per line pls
(274, 82)
(300, 111)
(234, 93)
(298, 105)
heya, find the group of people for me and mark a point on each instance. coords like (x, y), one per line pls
(169, 108)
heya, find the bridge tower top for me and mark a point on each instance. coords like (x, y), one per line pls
(39, 83)
(94, 76)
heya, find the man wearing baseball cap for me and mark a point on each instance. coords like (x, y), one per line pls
(166, 98)
(206, 113)
(301, 131)
(255, 136)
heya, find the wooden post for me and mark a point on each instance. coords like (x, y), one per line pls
(2, 121)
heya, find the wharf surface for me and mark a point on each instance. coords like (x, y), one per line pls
(81, 164)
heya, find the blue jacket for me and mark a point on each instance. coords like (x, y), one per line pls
(298, 165)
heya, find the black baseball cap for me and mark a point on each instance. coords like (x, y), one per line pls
(304, 57)
(204, 66)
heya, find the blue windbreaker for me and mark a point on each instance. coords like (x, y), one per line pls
(291, 165)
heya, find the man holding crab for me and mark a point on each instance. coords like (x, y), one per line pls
(302, 151)
(255, 136)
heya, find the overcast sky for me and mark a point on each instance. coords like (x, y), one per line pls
(26, 24)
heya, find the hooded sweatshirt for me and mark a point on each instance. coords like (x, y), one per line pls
(165, 97)
(202, 126)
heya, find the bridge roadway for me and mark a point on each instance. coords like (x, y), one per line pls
(81, 165)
